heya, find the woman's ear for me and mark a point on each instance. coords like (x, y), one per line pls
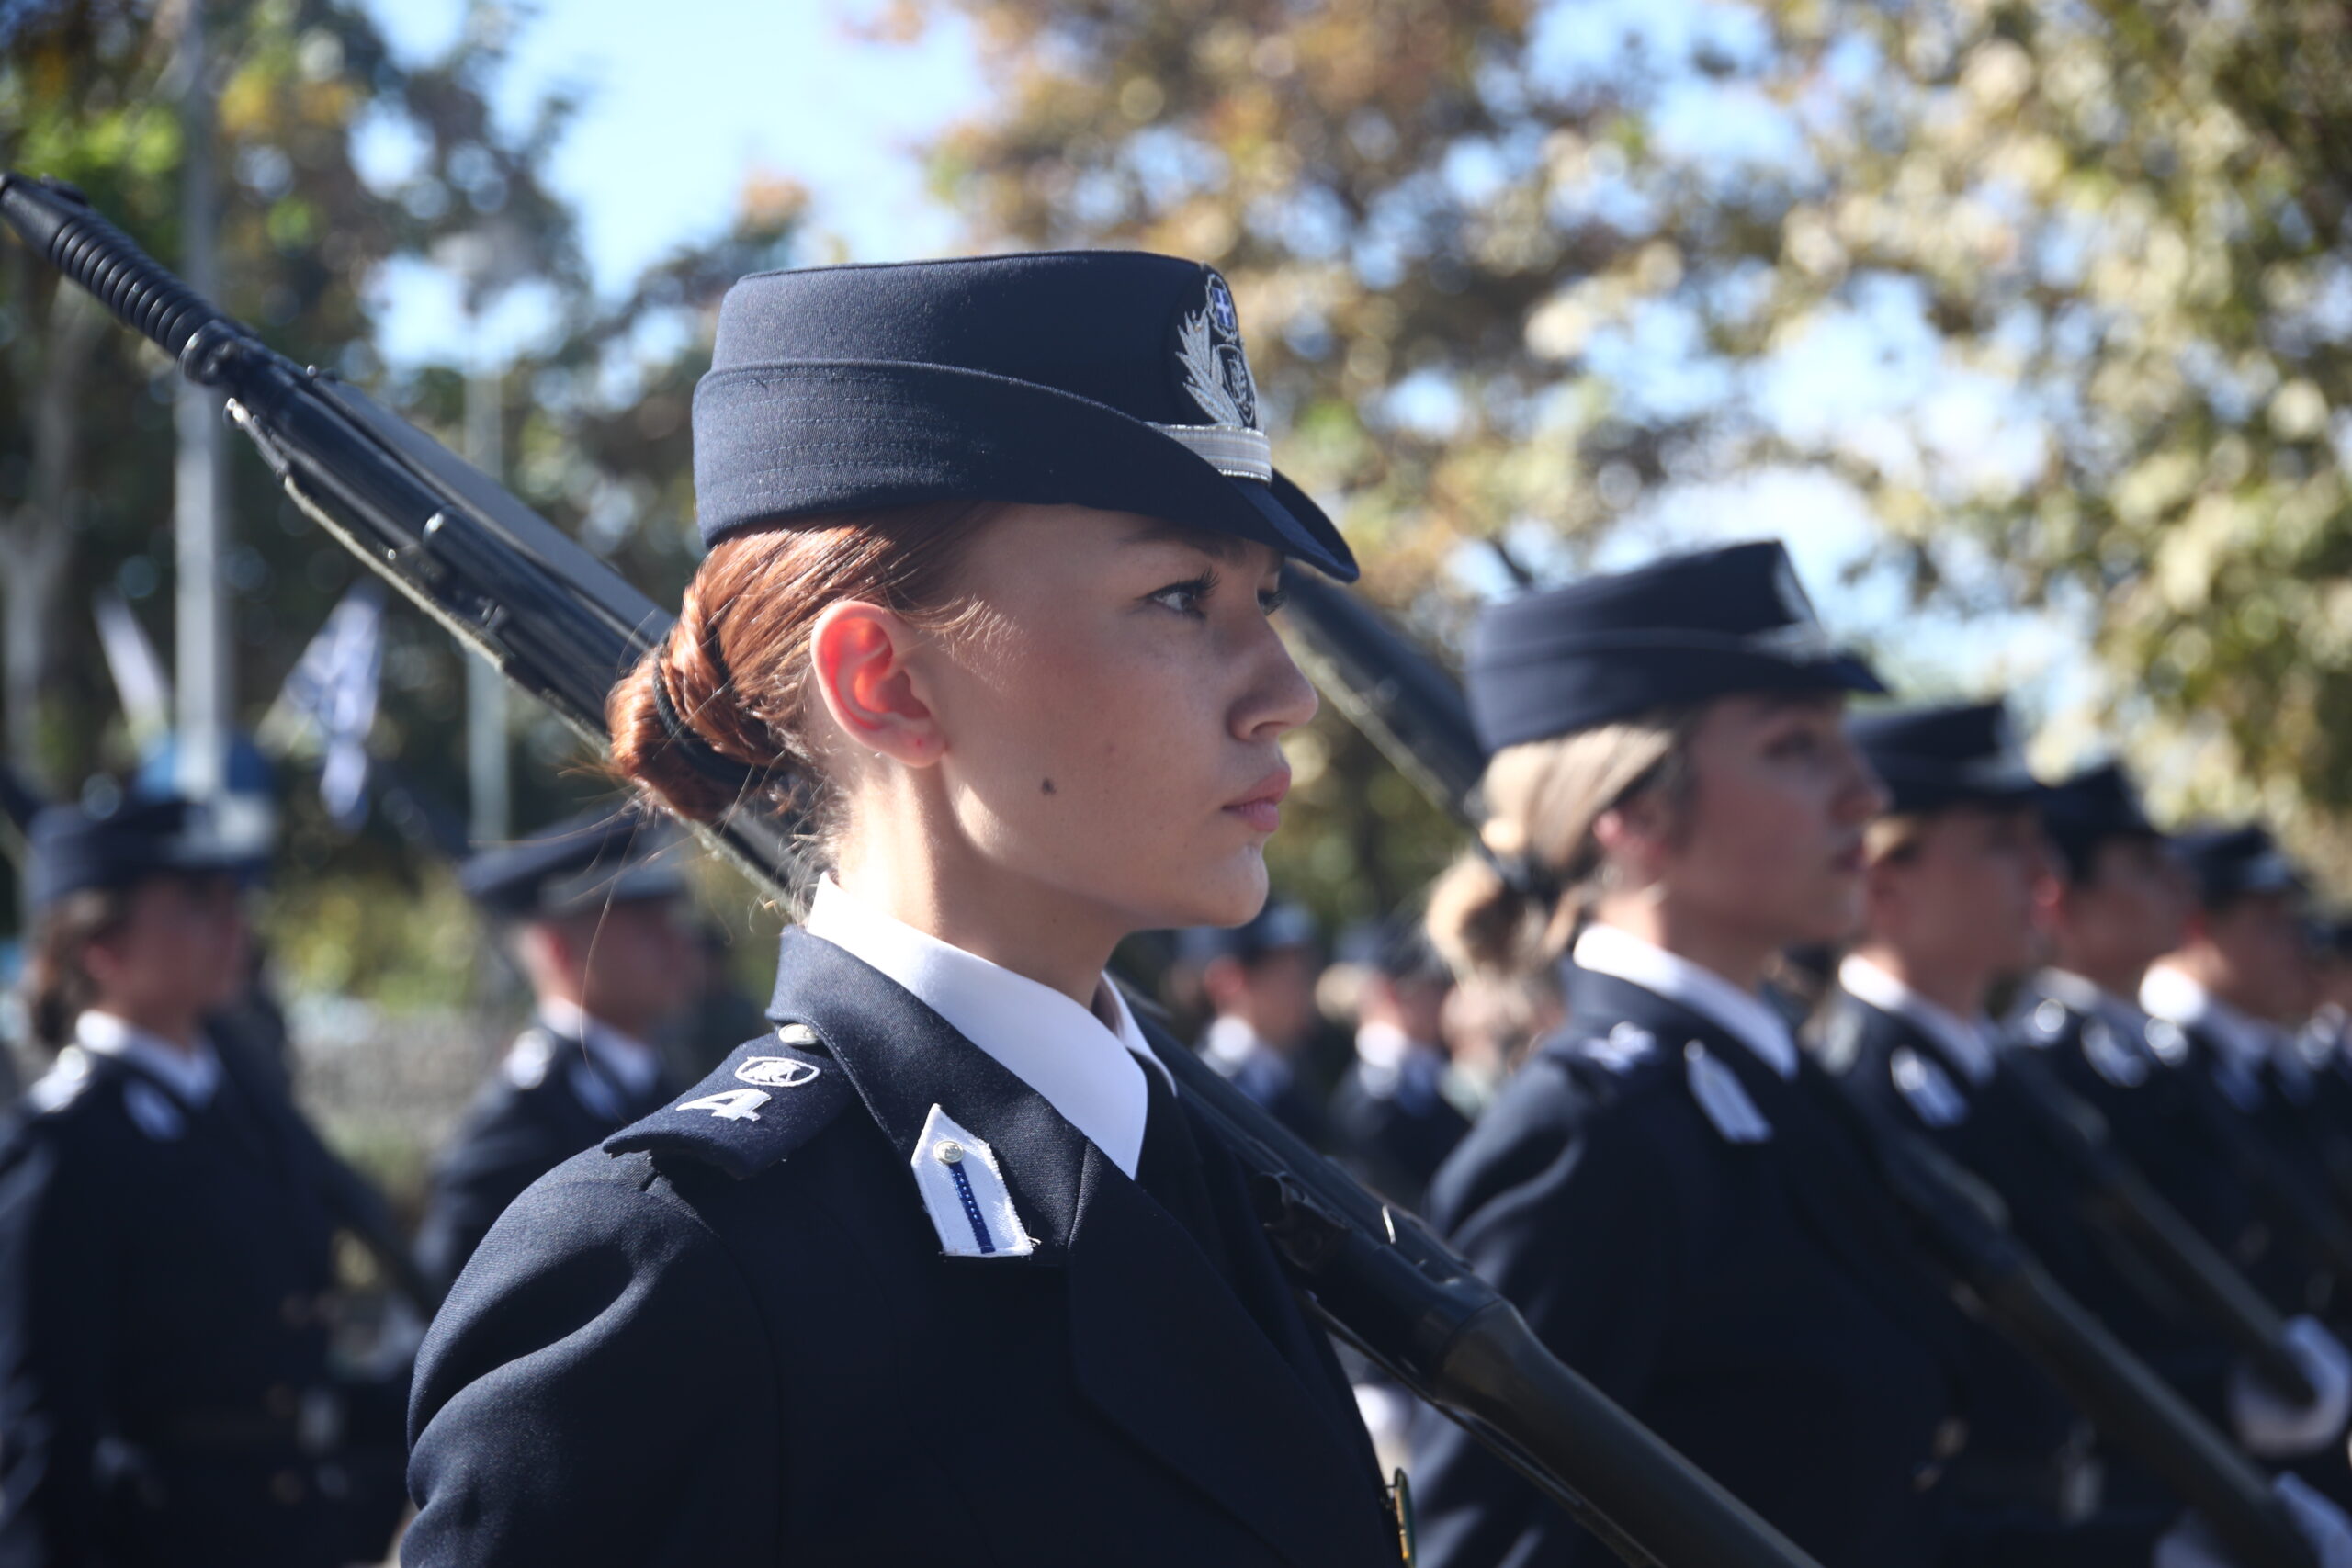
(1634, 833)
(858, 656)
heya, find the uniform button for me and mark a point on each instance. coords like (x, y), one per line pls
(949, 1153)
(287, 1487)
(280, 1401)
(1951, 1437)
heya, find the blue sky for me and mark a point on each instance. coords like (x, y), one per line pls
(683, 99)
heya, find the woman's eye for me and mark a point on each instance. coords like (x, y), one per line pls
(1272, 599)
(1185, 598)
(1795, 743)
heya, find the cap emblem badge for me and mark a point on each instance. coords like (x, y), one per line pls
(1214, 371)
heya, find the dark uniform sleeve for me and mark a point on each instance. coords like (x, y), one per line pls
(599, 1390)
(58, 1296)
(503, 1152)
(1572, 1220)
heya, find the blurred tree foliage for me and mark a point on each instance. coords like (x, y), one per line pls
(2064, 290)
(337, 158)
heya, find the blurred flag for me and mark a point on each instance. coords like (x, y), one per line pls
(333, 689)
(139, 678)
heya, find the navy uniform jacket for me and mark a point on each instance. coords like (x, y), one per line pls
(1395, 1129)
(2167, 1114)
(2026, 1441)
(534, 1115)
(165, 1304)
(730, 1336)
(1752, 1301)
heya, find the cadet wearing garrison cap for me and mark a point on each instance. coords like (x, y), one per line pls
(588, 908)
(1392, 1121)
(1260, 981)
(945, 1268)
(1660, 1189)
(167, 1289)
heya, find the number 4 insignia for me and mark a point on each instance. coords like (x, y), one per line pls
(733, 1105)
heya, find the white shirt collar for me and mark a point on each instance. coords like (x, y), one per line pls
(1088, 1071)
(191, 1076)
(2090, 998)
(1748, 1018)
(1961, 1043)
(2167, 993)
(630, 1062)
(1388, 1056)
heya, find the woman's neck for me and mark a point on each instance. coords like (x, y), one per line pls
(1037, 931)
(1959, 992)
(1738, 956)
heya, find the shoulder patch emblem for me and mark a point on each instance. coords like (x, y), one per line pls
(1720, 1095)
(742, 1130)
(2111, 1058)
(1622, 1048)
(2167, 1041)
(777, 1072)
(1927, 1089)
(62, 1084)
(527, 1062)
(964, 1192)
(153, 1111)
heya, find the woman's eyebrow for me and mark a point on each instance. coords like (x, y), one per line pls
(1227, 549)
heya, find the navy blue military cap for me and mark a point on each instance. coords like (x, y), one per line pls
(2080, 813)
(1680, 630)
(1957, 755)
(603, 856)
(72, 849)
(1106, 378)
(1279, 926)
(2233, 862)
(1396, 947)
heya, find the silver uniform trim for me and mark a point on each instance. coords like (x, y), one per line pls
(1234, 450)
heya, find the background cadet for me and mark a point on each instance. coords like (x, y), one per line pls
(1673, 801)
(1393, 1122)
(944, 1269)
(168, 1393)
(591, 912)
(1259, 981)
(1955, 866)
(2240, 980)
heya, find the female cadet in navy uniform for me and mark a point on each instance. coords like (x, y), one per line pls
(1668, 1190)
(943, 1270)
(166, 1234)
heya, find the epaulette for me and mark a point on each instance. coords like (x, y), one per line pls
(67, 1078)
(771, 1096)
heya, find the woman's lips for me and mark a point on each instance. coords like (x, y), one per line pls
(1262, 807)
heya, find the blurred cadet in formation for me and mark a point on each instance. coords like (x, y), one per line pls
(1685, 1205)
(1392, 1118)
(592, 911)
(1259, 980)
(169, 1391)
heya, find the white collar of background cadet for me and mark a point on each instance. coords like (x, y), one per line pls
(1937, 757)
(632, 1064)
(1114, 379)
(1961, 1042)
(2169, 994)
(192, 1076)
(1685, 629)
(1748, 1019)
(1086, 1069)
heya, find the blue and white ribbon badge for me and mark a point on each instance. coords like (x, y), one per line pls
(1718, 1091)
(962, 1191)
(1929, 1088)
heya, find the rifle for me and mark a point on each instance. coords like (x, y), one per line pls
(563, 625)
(1961, 1225)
